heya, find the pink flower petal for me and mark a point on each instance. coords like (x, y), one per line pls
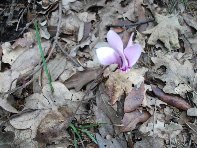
(130, 42)
(107, 56)
(115, 41)
(133, 53)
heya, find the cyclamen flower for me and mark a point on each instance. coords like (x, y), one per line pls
(115, 54)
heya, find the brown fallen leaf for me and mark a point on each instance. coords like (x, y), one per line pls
(52, 128)
(120, 83)
(172, 100)
(134, 99)
(130, 120)
(78, 80)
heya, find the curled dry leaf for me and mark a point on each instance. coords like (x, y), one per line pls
(134, 99)
(172, 100)
(120, 83)
(78, 80)
(10, 54)
(130, 120)
(6, 79)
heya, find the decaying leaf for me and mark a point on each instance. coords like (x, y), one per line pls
(105, 113)
(166, 31)
(120, 83)
(8, 81)
(6, 138)
(44, 107)
(149, 142)
(10, 54)
(190, 20)
(175, 73)
(193, 131)
(5, 104)
(175, 101)
(130, 120)
(162, 130)
(29, 59)
(28, 39)
(134, 99)
(69, 71)
(55, 67)
(52, 127)
(111, 142)
(78, 80)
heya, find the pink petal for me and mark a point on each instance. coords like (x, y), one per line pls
(107, 56)
(133, 53)
(130, 42)
(115, 41)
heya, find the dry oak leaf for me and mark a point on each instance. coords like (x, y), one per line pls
(120, 82)
(178, 75)
(166, 31)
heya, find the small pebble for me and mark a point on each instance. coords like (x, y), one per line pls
(192, 112)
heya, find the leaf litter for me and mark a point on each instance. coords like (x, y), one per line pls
(151, 105)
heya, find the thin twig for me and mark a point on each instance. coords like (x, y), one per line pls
(11, 12)
(23, 11)
(58, 26)
(17, 88)
(133, 24)
(27, 26)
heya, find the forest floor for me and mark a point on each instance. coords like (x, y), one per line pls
(54, 91)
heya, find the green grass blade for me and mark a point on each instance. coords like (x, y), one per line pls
(89, 126)
(89, 135)
(75, 142)
(75, 131)
(42, 56)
